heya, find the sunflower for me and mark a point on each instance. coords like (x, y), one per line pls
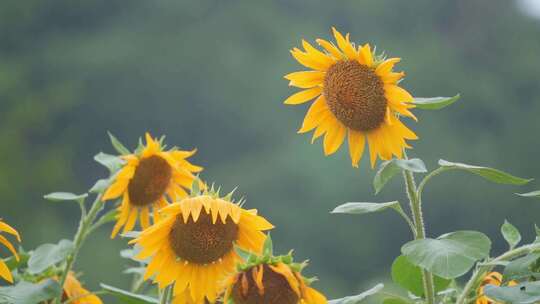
(271, 280)
(76, 293)
(5, 273)
(356, 94)
(193, 245)
(146, 179)
(492, 278)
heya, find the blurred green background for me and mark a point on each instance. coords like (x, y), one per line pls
(209, 74)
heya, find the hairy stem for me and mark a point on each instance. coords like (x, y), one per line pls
(416, 210)
(82, 232)
(166, 294)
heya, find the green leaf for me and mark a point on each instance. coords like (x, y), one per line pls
(523, 267)
(28, 293)
(389, 169)
(434, 103)
(100, 186)
(358, 298)
(48, 255)
(111, 162)
(510, 234)
(490, 174)
(65, 196)
(268, 247)
(524, 293)
(449, 256)
(117, 145)
(409, 277)
(396, 300)
(530, 194)
(362, 208)
(127, 297)
(12, 262)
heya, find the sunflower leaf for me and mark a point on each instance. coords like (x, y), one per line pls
(409, 277)
(524, 293)
(360, 297)
(511, 234)
(530, 194)
(362, 208)
(389, 169)
(450, 255)
(523, 267)
(100, 185)
(434, 103)
(490, 174)
(25, 292)
(65, 196)
(128, 297)
(111, 162)
(117, 145)
(48, 255)
(396, 300)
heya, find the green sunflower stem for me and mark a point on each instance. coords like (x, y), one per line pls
(82, 232)
(166, 294)
(420, 232)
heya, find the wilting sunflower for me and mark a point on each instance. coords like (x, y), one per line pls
(146, 179)
(492, 278)
(76, 293)
(356, 94)
(193, 244)
(5, 273)
(271, 280)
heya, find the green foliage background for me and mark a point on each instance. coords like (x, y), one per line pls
(208, 74)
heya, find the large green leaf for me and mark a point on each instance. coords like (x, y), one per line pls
(511, 234)
(525, 293)
(360, 297)
(389, 169)
(434, 103)
(362, 208)
(28, 293)
(127, 297)
(65, 196)
(490, 174)
(48, 255)
(450, 255)
(409, 277)
(523, 267)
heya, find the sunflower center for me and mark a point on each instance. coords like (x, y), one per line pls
(203, 242)
(150, 181)
(276, 289)
(355, 95)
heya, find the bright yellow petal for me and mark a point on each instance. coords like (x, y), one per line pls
(357, 142)
(7, 228)
(305, 79)
(303, 96)
(5, 273)
(308, 61)
(386, 67)
(366, 57)
(395, 93)
(344, 44)
(330, 48)
(318, 55)
(313, 115)
(333, 139)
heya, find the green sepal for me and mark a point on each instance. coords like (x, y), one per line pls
(117, 145)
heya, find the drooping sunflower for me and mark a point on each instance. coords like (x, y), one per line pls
(356, 94)
(193, 245)
(76, 293)
(271, 280)
(145, 181)
(5, 273)
(492, 278)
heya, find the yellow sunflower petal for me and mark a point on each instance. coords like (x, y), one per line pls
(314, 114)
(366, 57)
(7, 228)
(5, 273)
(303, 96)
(357, 142)
(333, 139)
(330, 48)
(344, 44)
(387, 66)
(305, 79)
